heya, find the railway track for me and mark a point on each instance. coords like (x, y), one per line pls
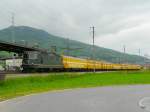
(3, 74)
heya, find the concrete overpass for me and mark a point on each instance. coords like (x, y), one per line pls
(17, 48)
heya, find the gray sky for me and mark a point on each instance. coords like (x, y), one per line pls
(117, 22)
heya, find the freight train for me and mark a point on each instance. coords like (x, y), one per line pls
(47, 61)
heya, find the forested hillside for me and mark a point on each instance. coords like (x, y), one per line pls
(31, 37)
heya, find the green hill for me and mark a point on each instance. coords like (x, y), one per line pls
(31, 36)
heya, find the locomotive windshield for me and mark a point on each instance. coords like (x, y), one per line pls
(32, 55)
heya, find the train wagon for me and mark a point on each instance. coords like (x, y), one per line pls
(74, 63)
(45, 61)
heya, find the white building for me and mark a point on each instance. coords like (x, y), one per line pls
(13, 64)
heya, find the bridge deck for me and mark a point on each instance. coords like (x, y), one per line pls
(17, 48)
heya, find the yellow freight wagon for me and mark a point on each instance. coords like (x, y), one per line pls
(74, 63)
(87, 64)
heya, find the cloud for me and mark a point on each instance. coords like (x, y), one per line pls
(134, 38)
(117, 22)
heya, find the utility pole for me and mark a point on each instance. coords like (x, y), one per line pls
(13, 25)
(124, 51)
(93, 48)
(139, 52)
(68, 46)
(13, 36)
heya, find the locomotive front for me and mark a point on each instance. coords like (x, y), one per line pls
(41, 61)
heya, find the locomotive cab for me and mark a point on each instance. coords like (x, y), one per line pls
(30, 57)
(41, 60)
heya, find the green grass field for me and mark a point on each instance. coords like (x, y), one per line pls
(19, 86)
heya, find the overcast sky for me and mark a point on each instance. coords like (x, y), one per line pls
(117, 22)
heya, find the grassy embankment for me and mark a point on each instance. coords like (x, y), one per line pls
(19, 86)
